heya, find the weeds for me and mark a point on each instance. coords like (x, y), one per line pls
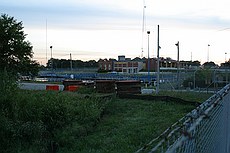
(35, 121)
(51, 121)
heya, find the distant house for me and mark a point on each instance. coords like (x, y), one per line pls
(164, 64)
(168, 63)
(125, 65)
(190, 64)
(106, 65)
(128, 66)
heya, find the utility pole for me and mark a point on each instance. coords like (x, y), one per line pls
(178, 65)
(51, 57)
(71, 64)
(158, 61)
(46, 42)
(148, 32)
(208, 53)
(143, 28)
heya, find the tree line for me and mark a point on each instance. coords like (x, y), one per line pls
(68, 64)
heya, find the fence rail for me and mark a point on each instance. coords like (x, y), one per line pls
(205, 129)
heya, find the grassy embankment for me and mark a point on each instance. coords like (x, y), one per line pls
(41, 121)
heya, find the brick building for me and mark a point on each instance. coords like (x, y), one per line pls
(126, 65)
(106, 65)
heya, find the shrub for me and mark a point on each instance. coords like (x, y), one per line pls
(36, 121)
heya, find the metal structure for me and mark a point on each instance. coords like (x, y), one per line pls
(148, 32)
(206, 129)
(158, 59)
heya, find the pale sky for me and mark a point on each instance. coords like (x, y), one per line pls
(94, 29)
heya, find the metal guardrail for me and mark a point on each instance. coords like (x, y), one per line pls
(205, 129)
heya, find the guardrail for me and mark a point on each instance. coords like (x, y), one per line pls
(206, 129)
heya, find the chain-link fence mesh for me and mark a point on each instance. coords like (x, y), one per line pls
(206, 129)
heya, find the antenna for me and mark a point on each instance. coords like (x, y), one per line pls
(143, 28)
(46, 42)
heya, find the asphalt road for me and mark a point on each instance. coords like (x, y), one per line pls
(37, 86)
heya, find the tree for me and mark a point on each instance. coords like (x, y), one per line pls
(15, 52)
(209, 65)
(203, 79)
(195, 63)
(225, 65)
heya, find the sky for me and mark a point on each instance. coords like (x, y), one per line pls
(94, 29)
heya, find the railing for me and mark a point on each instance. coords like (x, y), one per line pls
(206, 129)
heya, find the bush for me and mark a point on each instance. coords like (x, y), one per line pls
(36, 121)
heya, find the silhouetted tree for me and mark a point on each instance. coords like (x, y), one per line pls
(225, 65)
(15, 53)
(65, 63)
(209, 65)
(195, 63)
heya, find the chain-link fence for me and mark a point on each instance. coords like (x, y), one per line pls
(206, 129)
(209, 80)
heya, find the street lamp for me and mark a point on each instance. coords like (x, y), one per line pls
(71, 62)
(178, 63)
(225, 57)
(208, 53)
(51, 58)
(148, 32)
(51, 47)
(158, 59)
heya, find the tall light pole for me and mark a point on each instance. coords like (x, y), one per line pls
(51, 47)
(225, 57)
(71, 64)
(148, 32)
(46, 41)
(158, 60)
(178, 64)
(143, 28)
(51, 56)
(208, 53)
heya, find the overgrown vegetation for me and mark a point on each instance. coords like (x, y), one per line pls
(128, 125)
(33, 121)
(65, 122)
(188, 96)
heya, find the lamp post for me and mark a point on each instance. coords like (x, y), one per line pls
(178, 64)
(158, 60)
(71, 63)
(208, 53)
(51, 56)
(225, 57)
(148, 32)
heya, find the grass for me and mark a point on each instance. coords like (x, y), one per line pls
(39, 121)
(127, 125)
(186, 95)
(86, 122)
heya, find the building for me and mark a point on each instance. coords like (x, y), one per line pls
(121, 58)
(124, 65)
(127, 65)
(106, 65)
(165, 64)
